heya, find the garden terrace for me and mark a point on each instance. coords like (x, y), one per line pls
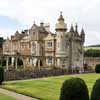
(47, 88)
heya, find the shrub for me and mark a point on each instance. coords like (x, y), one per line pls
(1, 75)
(53, 66)
(28, 68)
(97, 68)
(74, 89)
(95, 95)
(3, 62)
(10, 67)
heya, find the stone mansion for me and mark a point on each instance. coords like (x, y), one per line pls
(38, 46)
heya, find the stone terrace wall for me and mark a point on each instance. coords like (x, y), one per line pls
(20, 75)
(29, 74)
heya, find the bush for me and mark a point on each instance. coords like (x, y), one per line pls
(95, 95)
(97, 68)
(28, 68)
(1, 75)
(53, 66)
(74, 89)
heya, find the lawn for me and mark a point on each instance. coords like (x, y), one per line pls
(47, 88)
(5, 97)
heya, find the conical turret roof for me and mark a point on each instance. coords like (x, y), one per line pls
(82, 32)
(61, 17)
(71, 29)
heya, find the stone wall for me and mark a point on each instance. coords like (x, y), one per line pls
(10, 75)
(27, 74)
(92, 61)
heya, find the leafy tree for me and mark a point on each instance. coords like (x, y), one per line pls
(92, 53)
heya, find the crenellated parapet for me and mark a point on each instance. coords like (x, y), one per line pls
(74, 34)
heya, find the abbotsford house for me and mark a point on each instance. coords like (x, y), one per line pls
(38, 46)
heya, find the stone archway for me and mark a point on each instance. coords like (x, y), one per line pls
(39, 63)
(19, 61)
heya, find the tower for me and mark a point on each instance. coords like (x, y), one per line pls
(61, 30)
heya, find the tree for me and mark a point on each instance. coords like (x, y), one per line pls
(74, 89)
(92, 53)
(97, 68)
(95, 95)
(1, 75)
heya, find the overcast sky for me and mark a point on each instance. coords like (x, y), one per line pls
(20, 15)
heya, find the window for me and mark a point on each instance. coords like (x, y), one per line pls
(49, 44)
(50, 60)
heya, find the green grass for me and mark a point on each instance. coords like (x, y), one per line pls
(95, 48)
(47, 88)
(5, 97)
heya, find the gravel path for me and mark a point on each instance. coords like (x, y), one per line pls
(16, 95)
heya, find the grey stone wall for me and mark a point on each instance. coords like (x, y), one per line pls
(29, 74)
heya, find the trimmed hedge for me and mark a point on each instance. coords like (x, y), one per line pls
(74, 89)
(1, 75)
(97, 68)
(95, 95)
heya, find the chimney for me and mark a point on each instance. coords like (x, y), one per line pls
(47, 27)
(41, 24)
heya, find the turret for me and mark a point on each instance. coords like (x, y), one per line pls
(76, 30)
(72, 29)
(82, 35)
(61, 26)
(61, 29)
